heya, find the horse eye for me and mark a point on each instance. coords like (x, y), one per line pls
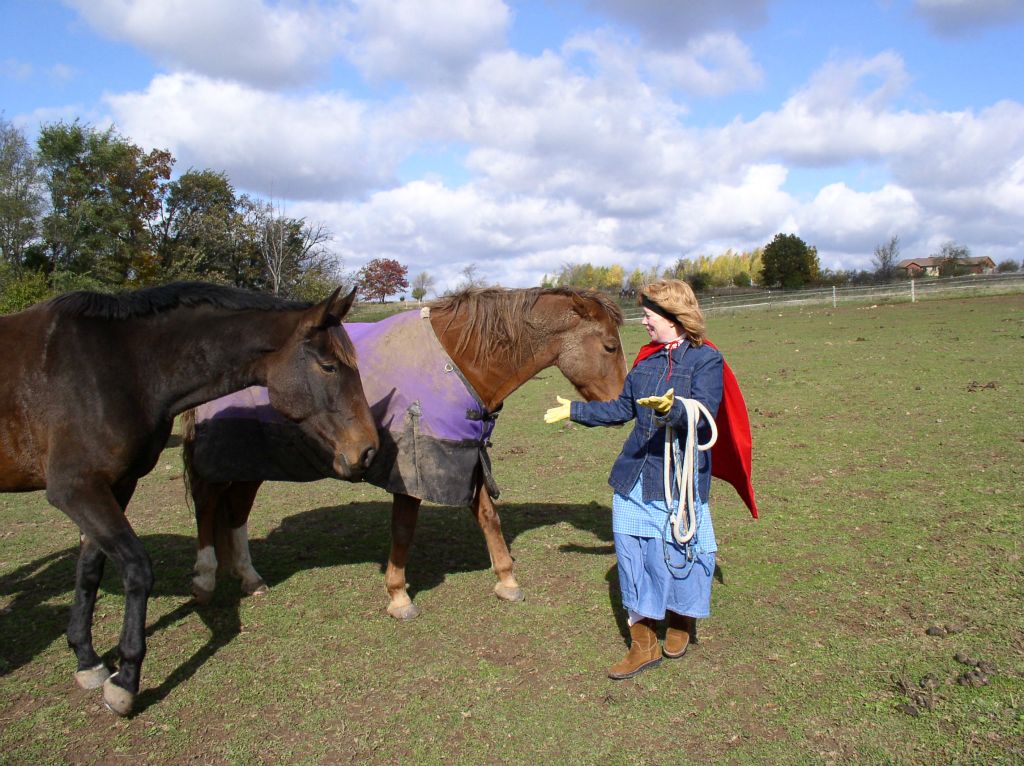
(329, 367)
(611, 348)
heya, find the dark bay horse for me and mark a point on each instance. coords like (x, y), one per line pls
(90, 389)
(496, 340)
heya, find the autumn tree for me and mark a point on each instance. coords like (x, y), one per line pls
(789, 262)
(104, 190)
(381, 278)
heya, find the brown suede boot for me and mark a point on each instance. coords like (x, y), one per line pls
(643, 651)
(677, 636)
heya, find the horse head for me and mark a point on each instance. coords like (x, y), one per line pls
(313, 381)
(591, 355)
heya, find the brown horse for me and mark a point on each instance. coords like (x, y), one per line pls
(496, 340)
(90, 389)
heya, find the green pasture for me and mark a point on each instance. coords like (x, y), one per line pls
(889, 456)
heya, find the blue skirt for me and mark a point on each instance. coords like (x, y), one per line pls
(650, 586)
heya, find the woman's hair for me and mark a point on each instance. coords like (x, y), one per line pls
(676, 297)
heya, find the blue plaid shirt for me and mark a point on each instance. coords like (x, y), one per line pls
(633, 515)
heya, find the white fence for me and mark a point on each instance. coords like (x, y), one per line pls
(912, 290)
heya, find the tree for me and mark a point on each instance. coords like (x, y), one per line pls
(789, 262)
(198, 228)
(951, 257)
(422, 283)
(614, 278)
(1007, 266)
(577, 275)
(21, 195)
(289, 247)
(103, 191)
(382, 277)
(471, 277)
(886, 257)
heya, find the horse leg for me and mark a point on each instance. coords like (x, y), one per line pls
(238, 502)
(91, 671)
(206, 498)
(99, 515)
(506, 588)
(404, 513)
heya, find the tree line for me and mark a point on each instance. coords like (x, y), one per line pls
(85, 208)
(786, 262)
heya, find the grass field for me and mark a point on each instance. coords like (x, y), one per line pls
(888, 460)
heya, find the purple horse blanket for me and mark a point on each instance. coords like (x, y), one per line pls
(433, 428)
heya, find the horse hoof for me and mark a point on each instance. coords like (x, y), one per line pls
(257, 588)
(201, 596)
(117, 699)
(506, 593)
(92, 678)
(404, 612)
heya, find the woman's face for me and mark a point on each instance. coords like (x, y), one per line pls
(660, 329)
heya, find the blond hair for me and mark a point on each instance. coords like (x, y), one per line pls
(676, 297)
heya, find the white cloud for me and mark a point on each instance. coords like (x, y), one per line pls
(430, 227)
(270, 45)
(843, 113)
(291, 146)
(426, 42)
(607, 142)
(712, 65)
(584, 153)
(956, 18)
(843, 220)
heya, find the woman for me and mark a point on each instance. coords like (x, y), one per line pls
(657, 575)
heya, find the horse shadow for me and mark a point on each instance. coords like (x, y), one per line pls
(448, 539)
(35, 598)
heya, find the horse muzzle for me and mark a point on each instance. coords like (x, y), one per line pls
(353, 468)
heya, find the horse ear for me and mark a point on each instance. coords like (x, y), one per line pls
(334, 309)
(580, 305)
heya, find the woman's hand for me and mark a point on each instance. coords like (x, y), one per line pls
(660, 404)
(561, 412)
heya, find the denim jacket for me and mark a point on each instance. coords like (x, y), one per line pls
(696, 374)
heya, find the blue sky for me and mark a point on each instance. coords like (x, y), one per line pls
(520, 136)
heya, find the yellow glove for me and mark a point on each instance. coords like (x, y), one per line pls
(561, 412)
(660, 404)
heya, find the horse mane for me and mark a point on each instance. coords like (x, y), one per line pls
(497, 319)
(154, 300)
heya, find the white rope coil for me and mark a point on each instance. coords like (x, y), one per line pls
(686, 513)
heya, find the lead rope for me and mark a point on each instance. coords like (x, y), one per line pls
(682, 504)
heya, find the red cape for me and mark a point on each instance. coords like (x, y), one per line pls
(730, 457)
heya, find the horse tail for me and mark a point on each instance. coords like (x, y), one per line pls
(188, 447)
(204, 497)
